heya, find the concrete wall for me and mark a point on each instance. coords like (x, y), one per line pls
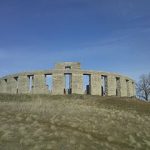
(19, 83)
(118, 86)
(123, 86)
(95, 84)
(67, 65)
(1, 86)
(131, 90)
(77, 83)
(133, 87)
(23, 84)
(128, 88)
(111, 79)
(58, 84)
(40, 84)
(4, 86)
(12, 85)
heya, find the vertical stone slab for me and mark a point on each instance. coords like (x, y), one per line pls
(12, 85)
(106, 85)
(58, 83)
(111, 80)
(4, 86)
(95, 84)
(134, 91)
(123, 87)
(77, 83)
(128, 88)
(0, 86)
(131, 92)
(39, 84)
(23, 84)
(118, 88)
(9, 85)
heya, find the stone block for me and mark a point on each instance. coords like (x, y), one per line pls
(12, 85)
(23, 84)
(67, 65)
(77, 83)
(4, 85)
(118, 86)
(39, 84)
(111, 81)
(123, 87)
(95, 84)
(58, 84)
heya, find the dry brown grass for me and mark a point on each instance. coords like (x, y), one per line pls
(41, 122)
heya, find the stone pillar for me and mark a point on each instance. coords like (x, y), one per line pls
(0, 86)
(12, 85)
(111, 80)
(4, 86)
(130, 86)
(123, 86)
(9, 85)
(95, 84)
(118, 88)
(104, 84)
(23, 84)
(39, 84)
(134, 91)
(77, 83)
(58, 83)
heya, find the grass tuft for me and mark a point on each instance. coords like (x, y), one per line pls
(73, 122)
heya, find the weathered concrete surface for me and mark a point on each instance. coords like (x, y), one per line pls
(3, 87)
(12, 85)
(77, 83)
(115, 84)
(40, 84)
(105, 84)
(130, 86)
(67, 65)
(133, 87)
(23, 84)
(95, 84)
(123, 87)
(58, 84)
(111, 81)
(118, 86)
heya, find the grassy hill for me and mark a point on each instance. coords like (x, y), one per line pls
(74, 122)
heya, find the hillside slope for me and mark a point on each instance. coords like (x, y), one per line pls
(41, 122)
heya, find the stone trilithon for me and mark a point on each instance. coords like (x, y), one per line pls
(68, 78)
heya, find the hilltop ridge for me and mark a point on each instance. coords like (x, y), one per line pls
(72, 122)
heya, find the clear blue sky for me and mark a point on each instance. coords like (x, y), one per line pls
(107, 35)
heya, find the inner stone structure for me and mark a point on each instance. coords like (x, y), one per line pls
(68, 78)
